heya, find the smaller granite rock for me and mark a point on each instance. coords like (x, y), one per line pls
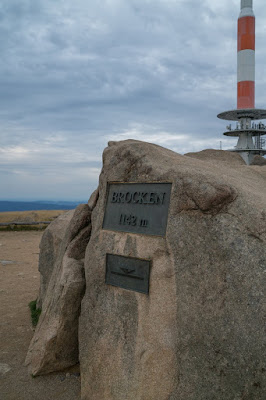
(227, 158)
(54, 346)
(49, 249)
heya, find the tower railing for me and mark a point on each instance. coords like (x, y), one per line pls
(246, 127)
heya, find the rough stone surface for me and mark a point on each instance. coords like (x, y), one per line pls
(55, 342)
(4, 368)
(49, 249)
(199, 334)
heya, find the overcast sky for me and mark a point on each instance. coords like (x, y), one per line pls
(76, 74)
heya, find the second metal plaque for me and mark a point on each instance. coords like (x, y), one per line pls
(137, 207)
(128, 273)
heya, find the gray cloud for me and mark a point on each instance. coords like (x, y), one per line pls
(74, 75)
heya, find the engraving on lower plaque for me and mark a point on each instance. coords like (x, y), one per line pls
(137, 208)
(128, 273)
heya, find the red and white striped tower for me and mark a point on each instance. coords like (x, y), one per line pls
(246, 111)
(246, 56)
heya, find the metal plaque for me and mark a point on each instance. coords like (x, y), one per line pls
(128, 273)
(137, 208)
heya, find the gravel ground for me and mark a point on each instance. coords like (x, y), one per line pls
(19, 284)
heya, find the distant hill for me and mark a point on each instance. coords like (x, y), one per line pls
(37, 205)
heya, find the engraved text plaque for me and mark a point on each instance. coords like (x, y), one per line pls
(137, 208)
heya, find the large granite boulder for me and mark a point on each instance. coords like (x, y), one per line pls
(199, 333)
(55, 342)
